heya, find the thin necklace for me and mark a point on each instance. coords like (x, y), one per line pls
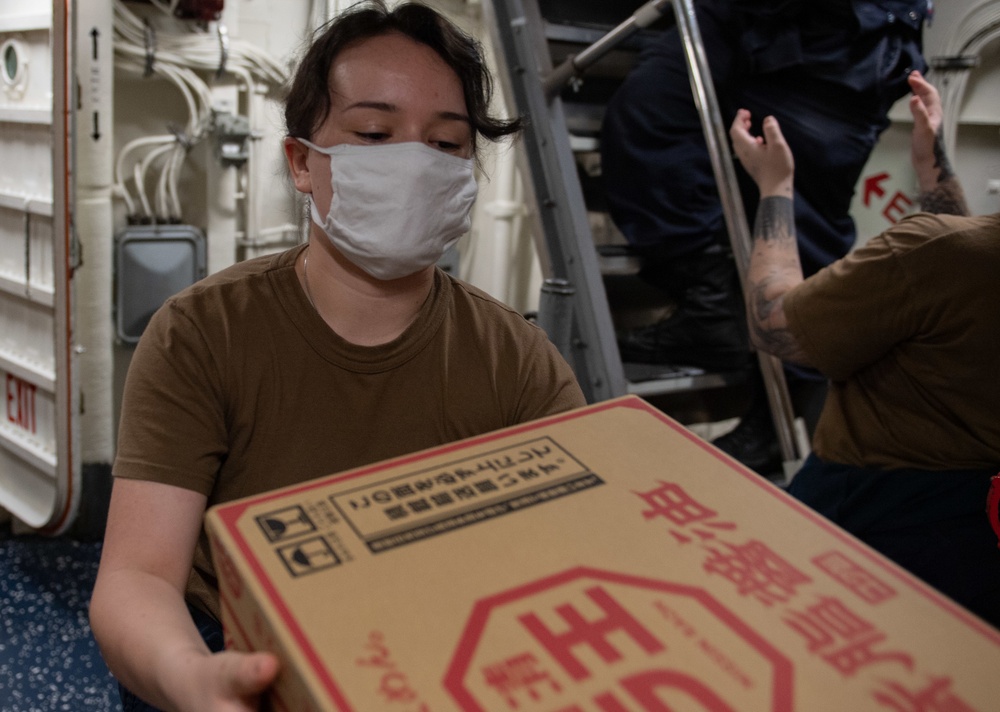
(305, 279)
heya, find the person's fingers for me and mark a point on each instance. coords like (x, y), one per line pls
(772, 131)
(922, 89)
(918, 83)
(919, 111)
(259, 671)
(736, 126)
(739, 132)
(249, 674)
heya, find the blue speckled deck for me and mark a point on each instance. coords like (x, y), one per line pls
(48, 658)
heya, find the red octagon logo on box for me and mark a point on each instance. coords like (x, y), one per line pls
(588, 640)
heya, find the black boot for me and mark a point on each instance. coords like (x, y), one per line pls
(708, 328)
(754, 442)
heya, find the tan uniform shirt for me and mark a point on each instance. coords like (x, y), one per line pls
(908, 329)
(238, 386)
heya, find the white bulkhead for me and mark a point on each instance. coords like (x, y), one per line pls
(140, 150)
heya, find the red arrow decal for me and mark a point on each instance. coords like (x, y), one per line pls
(873, 185)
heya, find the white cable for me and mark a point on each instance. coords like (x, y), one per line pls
(278, 230)
(167, 202)
(139, 176)
(177, 56)
(198, 100)
(120, 186)
(174, 56)
(199, 50)
(176, 161)
(182, 82)
(167, 8)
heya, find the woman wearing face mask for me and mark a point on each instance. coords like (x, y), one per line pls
(348, 350)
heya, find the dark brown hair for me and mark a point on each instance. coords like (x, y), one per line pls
(308, 101)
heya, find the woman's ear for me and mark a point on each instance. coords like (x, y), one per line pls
(296, 154)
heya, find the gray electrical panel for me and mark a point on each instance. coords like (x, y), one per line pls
(153, 262)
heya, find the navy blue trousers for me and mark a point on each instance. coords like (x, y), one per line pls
(655, 163)
(934, 524)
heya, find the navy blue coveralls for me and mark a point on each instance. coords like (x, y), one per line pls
(829, 71)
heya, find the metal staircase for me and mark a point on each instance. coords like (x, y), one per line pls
(559, 90)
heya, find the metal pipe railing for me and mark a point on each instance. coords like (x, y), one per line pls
(717, 142)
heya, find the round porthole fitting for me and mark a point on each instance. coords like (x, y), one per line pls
(13, 64)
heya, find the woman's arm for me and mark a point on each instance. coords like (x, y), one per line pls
(139, 616)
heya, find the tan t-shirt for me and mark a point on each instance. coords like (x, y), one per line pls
(908, 329)
(238, 386)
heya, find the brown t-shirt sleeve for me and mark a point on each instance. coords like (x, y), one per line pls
(551, 386)
(531, 378)
(172, 426)
(851, 313)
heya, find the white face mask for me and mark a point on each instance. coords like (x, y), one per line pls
(396, 207)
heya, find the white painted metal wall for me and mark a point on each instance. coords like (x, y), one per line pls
(60, 362)
(887, 189)
(39, 480)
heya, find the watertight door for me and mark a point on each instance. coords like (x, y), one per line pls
(39, 474)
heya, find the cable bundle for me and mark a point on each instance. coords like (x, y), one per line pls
(180, 58)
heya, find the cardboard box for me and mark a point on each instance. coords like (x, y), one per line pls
(604, 560)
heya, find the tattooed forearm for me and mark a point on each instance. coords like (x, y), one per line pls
(768, 333)
(775, 220)
(941, 161)
(946, 197)
(774, 270)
